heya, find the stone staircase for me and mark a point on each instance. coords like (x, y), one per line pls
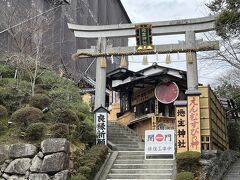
(129, 161)
(234, 172)
(124, 138)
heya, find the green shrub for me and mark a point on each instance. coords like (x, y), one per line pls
(3, 112)
(185, 176)
(35, 131)
(48, 117)
(188, 161)
(85, 133)
(85, 171)
(78, 177)
(40, 101)
(90, 163)
(41, 87)
(60, 130)
(7, 71)
(3, 119)
(66, 116)
(13, 97)
(26, 116)
(82, 116)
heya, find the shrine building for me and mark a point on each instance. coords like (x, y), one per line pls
(144, 100)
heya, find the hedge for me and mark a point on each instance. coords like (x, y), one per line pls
(185, 176)
(89, 164)
(188, 161)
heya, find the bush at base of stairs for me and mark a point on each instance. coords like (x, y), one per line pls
(78, 177)
(89, 164)
(185, 176)
(188, 161)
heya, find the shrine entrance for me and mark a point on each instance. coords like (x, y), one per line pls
(144, 34)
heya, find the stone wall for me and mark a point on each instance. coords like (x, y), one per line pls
(216, 163)
(26, 161)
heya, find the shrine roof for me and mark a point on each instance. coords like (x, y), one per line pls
(121, 74)
(152, 79)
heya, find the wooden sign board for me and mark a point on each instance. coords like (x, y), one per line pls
(194, 134)
(182, 129)
(144, 37)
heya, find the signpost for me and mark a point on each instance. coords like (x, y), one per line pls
(101, 119)
(159, 142)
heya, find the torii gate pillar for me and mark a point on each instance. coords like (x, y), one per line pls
(192, 71)
(100, 88)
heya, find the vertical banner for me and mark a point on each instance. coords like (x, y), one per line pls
(101, 127)
(182, 129)
(194, 134)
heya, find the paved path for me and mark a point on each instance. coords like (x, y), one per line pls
(234, 172)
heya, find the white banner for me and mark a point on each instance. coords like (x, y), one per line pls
(159, 142)
(101, 127)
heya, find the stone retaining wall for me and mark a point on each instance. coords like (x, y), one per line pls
(216, 163)
(26, 161)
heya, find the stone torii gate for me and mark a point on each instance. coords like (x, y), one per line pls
(189, 27)
(190, 46)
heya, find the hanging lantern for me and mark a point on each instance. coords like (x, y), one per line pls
(145, 60)
(168, 59)
(103, 62)
(123, 62)
(189, 57)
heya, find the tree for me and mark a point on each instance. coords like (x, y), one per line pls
(228, 28)
(24, 42)
(228, 86)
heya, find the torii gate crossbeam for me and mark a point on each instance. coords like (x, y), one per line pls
(160, 28)
(185, 26)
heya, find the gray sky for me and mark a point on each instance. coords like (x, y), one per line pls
(162, 10)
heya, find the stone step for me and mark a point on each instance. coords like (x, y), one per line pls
(130, 153)
(234, 170)
(140, 176)
(129, 149)
(142, 166)
(127, 142)
(231, 177)
(122, 136)
(121, 133)
(140, 171)
(125, 139)
(133, 161)
(128, 145)
(127, 156)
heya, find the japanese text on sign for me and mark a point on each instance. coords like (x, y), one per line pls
(159, 142)
(181, 120)
(101, 128)
(194, 124)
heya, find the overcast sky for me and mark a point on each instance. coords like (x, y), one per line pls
(162, 10)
